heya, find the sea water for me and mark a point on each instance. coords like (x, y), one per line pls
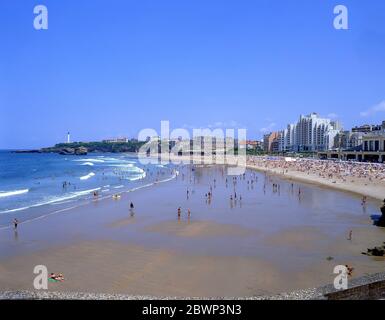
(48, 181)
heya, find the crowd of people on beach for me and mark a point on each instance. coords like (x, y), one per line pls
(345, 171)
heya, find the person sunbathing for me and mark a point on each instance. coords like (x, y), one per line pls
(56, 277)
(60, 277)
(349, 270)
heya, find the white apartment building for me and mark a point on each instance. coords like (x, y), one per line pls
(282, 140)
(311, 133)
(315, 133)
(290, 137)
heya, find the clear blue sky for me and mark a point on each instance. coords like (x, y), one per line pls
(109, 68)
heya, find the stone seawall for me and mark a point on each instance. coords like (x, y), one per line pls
(370, 291)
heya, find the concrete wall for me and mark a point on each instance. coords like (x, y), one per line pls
(371, 291)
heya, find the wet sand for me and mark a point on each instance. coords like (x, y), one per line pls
(266, 243)
(199, 229)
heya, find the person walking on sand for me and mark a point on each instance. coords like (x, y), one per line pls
(188, 213)
(131, 205)
(350, 235)
(15, 223)
(179, 212)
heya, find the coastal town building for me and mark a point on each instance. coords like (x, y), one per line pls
(366, 128)
(314, 133)
(365, 145)
(254, 145)
(116, 140)
(290, 137)
(311, 133)
(345, 140)
(270, 142)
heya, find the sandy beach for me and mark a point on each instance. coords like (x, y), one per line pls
(266, 240)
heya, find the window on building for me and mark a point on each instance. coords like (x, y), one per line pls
(376, 145)
(371, 146)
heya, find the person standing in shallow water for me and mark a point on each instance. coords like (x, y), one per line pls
(15, 223)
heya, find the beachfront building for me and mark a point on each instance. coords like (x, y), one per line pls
(374, 141)
(366, 128)
(310, 134)
(371, 146)
(282, 140)
(329, 137)
(270, 142)
(254, 145)
(211, 144)
(290, 137)
(313, 133)
(116, 140)
(346, 140)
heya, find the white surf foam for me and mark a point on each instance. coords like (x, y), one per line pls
(91, 174)
(4, 194)
(87, 164)
(127, 165)
(85, 192)
(54, 200)
(89, 160)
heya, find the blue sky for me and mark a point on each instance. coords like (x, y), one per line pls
(110, 68)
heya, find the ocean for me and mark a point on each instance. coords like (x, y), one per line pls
(33, 185)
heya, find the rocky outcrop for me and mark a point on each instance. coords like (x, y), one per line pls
(381, 221)
(74, 151)
(81, 151)
(376, 251)
(82, 148)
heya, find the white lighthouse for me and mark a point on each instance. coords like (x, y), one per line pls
(68, 137)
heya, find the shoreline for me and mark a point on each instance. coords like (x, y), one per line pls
(80, 202)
